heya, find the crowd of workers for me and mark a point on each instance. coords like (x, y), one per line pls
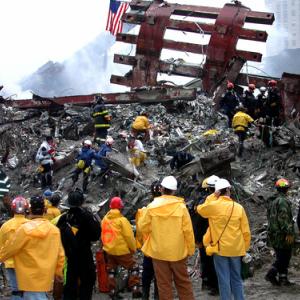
(167, 233)
(264, 110)
(167, 230)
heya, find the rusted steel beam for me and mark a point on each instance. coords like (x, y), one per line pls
(187, 26)
(160, 94)
(208, 12)
(176, 68)
(259, 81)
(121, 80)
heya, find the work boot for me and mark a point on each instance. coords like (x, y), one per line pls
(271, 277)
(283, 280)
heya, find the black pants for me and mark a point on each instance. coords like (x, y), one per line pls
(46, 176)
(80, 281)
(283, 257)
(148, 275)
(242, 136)
(100, 134)
(208, 273)
(85, 180)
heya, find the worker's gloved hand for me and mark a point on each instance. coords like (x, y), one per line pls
(289, 239)
(51, 151)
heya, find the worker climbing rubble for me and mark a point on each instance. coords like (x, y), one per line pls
(281, 234)
(229, 102)
(20, 207)
(102, 120)
(141, 125)
(46, 157)
(240, 125)
(119, 244)
(83, 165)
(136, 151)
(168, 226)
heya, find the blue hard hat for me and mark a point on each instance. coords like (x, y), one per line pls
(47, 193)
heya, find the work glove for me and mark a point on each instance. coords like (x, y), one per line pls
(51, 151)
(289, 239)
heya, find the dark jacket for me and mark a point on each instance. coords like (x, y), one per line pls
(281, 222)
(100, 114)
(273, 103)
(229, 102)
(102, 153)
(87, 155)
(180, 159)
(249, 102)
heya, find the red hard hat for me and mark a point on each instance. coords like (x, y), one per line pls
(116, 203)
(282, 183)
(230, 85)
(272, 83)
(19, 205)
(252, 86)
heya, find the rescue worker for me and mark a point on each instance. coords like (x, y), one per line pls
(281, 235)
(45, 157)
(200, 225)
(170, 241)
(102, 120)
(240, 124)
(119, 245)
(229, 239)
(249, 100)
(260, 111)
(83, 165)
(180, 159)
(78, 228)
(148, 271)
(273, 104)
(141, 124)
(137, 151)
(37, 252)
(101, 168)
(229, 102)
(20, 207)
(53, 210)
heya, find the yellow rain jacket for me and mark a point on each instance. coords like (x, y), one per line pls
(240, 121)
(140, 238)
(141, 123)
(236, 238)
(52, 212)
(7, 230)
(168, 227)
(38, 254)
(117, 234)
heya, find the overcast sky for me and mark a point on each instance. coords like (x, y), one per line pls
(36, 31)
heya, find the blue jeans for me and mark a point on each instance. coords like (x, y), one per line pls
(13, 283)
(35, 296)
(230, 282)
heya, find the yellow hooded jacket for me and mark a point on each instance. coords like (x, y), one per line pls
(240, 121)
(236, 238)
(168, 227)
(117, 234)
(52, 213)
(38, 254)
(141, 123)
(7, 230)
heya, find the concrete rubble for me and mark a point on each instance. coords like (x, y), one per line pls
(191, 126)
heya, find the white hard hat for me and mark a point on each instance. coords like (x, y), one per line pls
(263, 89)
(109, 140)
(169, 183)
(211, 180)
(87, 142)
(222, 184)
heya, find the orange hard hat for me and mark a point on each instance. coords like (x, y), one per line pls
(252, 86)
(282, 183)
(230, 85)
(272, 83)
(116, 203)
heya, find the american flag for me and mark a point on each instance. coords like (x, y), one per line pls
(116, 10)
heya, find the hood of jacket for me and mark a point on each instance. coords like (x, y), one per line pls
(165, 205)
(38, 228)
(113, 214)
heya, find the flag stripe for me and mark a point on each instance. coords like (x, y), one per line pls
(114, 22)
